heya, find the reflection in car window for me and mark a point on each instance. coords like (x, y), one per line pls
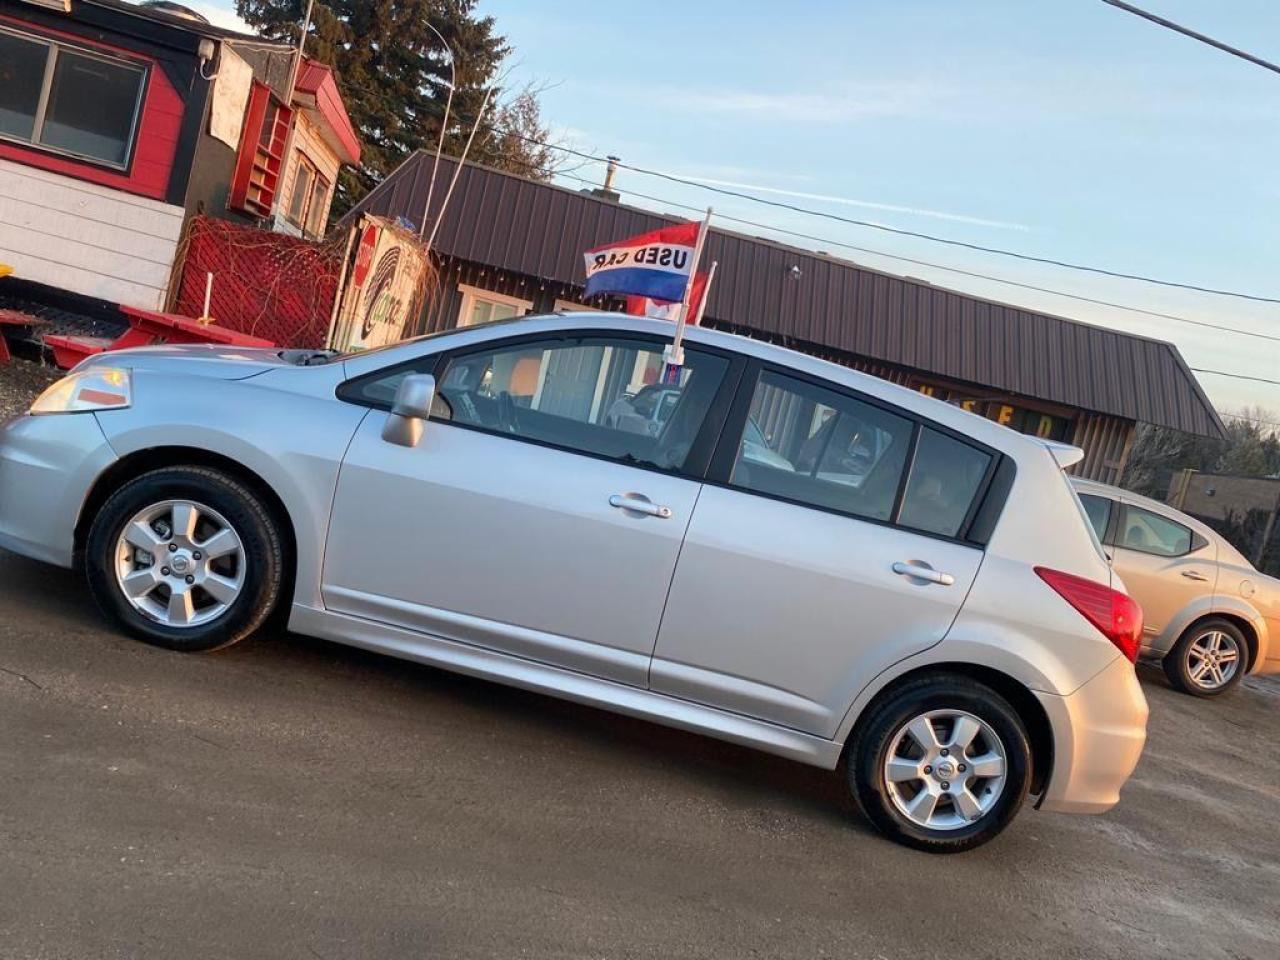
(1148, 532)
(945, 479)
(595, 395)
(815, 446)
(1098, 510)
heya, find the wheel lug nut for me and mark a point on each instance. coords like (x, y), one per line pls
(945, 785)
(946, 752)
(928, 769)
(164, 571)
(961, 768)
(173, 548)
(191, 579)
(197, 556)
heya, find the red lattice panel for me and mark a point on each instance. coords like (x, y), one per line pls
(265, 284)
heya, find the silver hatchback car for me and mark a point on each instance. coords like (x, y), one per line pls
(888, 583)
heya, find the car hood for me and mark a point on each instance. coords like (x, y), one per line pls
(197, 360)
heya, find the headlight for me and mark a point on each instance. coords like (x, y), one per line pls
(98, 388)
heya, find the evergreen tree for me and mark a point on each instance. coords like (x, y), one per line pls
(394, 78)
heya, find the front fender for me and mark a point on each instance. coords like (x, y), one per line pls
(295, 443)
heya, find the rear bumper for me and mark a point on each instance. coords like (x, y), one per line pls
(1098, 735)
(47, 467)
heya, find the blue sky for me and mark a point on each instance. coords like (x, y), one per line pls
(1061, 128)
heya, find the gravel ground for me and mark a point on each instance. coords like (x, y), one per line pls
(289, 798)
(21, 382)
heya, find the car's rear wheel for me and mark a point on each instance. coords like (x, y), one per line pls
(942, 764)
(1209, 659)
(186, 558)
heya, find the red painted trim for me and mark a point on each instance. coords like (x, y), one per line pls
(155, 141)
(318, 80)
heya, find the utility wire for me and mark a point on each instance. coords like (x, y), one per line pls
(1194, 35)
(796, 208)
(827, 241)
(1258, 420)
(1236, 376)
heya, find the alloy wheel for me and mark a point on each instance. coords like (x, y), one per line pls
(945, 769)
(1213, 659)
(180, 563)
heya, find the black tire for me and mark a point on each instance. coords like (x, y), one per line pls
(262, 549)
(1177, 662)
(873, 739)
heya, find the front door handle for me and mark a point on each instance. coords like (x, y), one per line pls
(639, 503)
(916, 571)
(1195, 575)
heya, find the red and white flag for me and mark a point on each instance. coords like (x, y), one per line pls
(670, 309)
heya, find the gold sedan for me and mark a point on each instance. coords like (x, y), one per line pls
(1211, 617)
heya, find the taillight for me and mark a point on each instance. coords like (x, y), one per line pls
(1115, 614)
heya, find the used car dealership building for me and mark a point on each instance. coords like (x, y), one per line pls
(509, 246)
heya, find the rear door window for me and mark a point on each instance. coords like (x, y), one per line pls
(1148, 532)
(946, 478)
(817, 447)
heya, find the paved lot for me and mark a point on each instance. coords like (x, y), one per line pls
(289, 798)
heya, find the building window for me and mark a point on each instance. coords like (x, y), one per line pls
(307, 202)
(484, 306)
(69, 100)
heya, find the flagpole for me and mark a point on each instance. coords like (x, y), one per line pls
(675, 352)
(706, 292)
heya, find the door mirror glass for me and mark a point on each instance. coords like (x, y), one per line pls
(412, 408)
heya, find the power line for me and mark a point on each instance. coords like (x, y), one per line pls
(1193, 34)
(796, 208)
(1258, 420)
(1236, 376)
(1220, 373)
(827, 241)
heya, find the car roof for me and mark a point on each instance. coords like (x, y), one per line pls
(979, 428)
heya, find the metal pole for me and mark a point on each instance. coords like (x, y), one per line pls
(297, 57)
(457, 169)
(675, 352)
(444, 125)
(706, 294)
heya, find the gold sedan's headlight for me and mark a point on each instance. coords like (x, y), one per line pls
(98, 388)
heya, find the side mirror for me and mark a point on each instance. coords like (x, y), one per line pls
(411, 410)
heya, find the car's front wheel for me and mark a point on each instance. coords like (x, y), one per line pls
(941, 764)
(1208, 660)
(185, 557)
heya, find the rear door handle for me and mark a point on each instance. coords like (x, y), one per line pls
(1195, 575)
(915, 571)
(639, 503)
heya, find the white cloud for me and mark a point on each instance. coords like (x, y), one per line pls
(866, 204)
(855, 103)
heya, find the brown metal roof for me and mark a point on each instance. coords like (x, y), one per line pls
(514, 224)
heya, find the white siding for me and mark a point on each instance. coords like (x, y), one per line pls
(308, 142)
(85, 238)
